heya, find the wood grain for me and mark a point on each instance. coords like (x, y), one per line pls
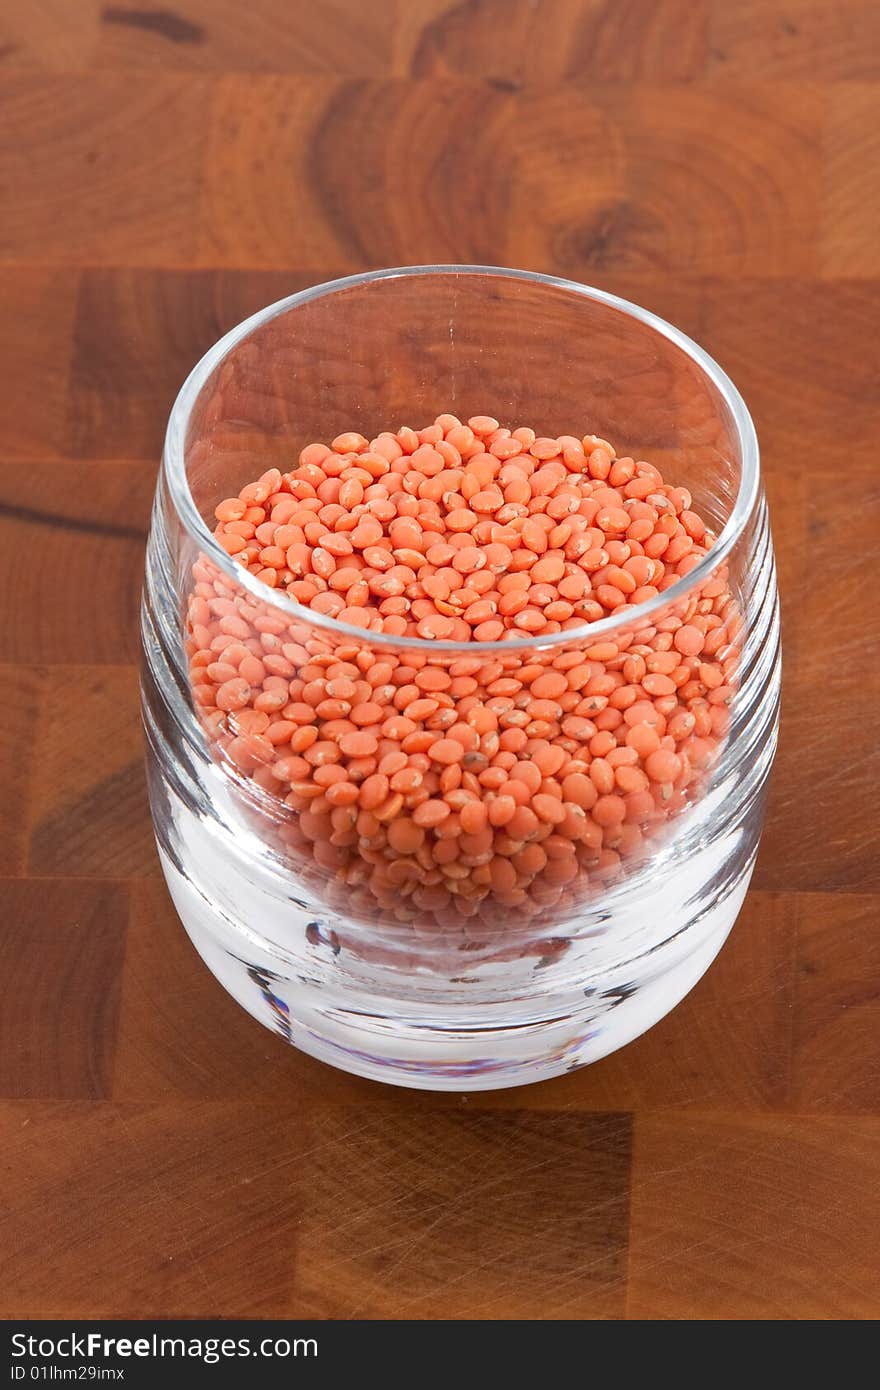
(343, 36)
(374, 173)
(37, 308)
(836, 846)
(836, 1005)
(151, 1210)
(17, 758)
(91, 517)
(61, 955)
(852, 202)
(88, 813)
(80, 197)
(781, 42)
(398, 1239)
(513, 42)
(180, 1035)
(747, 1216)
(165, 171)
(136, 334)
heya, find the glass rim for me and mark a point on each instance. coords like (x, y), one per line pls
(174, 468)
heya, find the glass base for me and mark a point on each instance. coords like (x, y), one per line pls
(485, 1046)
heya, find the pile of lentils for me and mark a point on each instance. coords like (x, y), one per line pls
(434, 786)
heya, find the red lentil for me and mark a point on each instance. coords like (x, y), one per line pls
(444, 783)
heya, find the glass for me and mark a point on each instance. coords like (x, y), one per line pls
(462, 960)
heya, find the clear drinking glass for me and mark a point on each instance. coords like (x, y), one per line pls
(484, 963)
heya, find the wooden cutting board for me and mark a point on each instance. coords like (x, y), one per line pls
(166, 171)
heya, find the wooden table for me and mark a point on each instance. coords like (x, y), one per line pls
(164, 173)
